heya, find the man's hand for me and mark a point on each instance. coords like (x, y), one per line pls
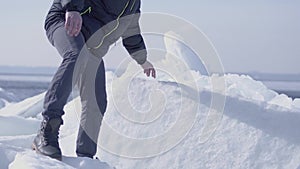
(149, 69)
(73, 23)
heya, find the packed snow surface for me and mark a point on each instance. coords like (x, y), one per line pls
(258, 127)
(181, 120)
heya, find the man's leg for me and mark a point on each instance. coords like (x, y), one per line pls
(94, 102)
(46, 141)
(61, 86)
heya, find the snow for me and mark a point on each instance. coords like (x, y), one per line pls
(259, 128)
(27, 108)
(282, 100)
(15, 125)
(296, 104)
(167, 123)
(253, 133)
(175, 46)
(29, 160)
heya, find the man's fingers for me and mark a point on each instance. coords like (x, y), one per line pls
(78, 28)
(73, 23)
(153, 73)
(71, 26)
(74, 27)
(67, 24)
(150, 71)
(147, 72)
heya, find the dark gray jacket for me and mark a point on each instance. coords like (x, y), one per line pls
(114, 16)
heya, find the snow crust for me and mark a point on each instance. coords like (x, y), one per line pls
(258, 128)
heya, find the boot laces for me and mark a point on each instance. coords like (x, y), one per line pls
(49, 137)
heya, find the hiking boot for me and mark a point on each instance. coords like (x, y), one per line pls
(46, 141)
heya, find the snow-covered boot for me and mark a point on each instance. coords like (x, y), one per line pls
(46, 141)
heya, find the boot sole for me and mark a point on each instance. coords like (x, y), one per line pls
(34, 148)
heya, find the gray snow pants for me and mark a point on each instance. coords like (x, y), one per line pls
(90, 79)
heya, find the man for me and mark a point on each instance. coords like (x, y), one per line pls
(73, 26)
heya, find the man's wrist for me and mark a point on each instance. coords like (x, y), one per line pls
(72, 8)
(142, 62)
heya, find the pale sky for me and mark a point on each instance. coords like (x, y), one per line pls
(256, 35)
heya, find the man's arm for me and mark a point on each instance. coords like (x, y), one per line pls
(134, 42)
(135, 45)
(136, 48)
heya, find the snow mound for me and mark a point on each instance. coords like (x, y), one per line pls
(175, 46)
(245, 88)
(253, 132)
(258, 128)
(30, 107)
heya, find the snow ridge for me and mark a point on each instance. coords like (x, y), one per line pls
(259, 129)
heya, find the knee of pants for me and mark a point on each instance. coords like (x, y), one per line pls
(71, 55)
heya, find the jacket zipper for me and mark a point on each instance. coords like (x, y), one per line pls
(88, 10)
(132, 5)
(115, 28)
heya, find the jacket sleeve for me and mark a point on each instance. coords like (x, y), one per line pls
(72, 5)
(134, 42)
